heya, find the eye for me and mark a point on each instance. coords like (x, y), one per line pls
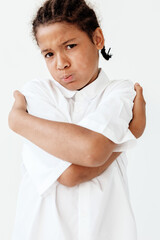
(70, 46)
(48, 55)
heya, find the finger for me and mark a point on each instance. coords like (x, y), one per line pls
(17, 93)
(20, 100)
(19, 96)
(139, 92)
(138, 88)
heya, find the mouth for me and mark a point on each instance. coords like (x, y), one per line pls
(67, 78)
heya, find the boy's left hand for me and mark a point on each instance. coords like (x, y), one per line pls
(138, 122)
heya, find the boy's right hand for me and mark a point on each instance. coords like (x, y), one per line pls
(19, 108)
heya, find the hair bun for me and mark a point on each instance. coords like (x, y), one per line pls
(107, 56)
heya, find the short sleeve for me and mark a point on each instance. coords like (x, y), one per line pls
(41, 100)
(113, 114)
(43, 168)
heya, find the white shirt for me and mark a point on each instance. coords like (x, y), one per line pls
(98, 209)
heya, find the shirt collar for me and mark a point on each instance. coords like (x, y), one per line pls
(66, 92)
(90, 91)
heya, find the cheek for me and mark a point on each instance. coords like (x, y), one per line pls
(50, 66)
(85, 59)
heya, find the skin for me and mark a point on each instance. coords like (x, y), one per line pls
(75, 174)
(138, 123)
(78, 57)
(63, 56)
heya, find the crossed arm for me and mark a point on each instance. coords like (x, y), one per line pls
(77, 174)
(89, 152)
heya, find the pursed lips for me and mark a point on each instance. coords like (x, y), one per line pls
(67, 77)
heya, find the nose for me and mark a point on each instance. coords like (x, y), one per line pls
(62, 62)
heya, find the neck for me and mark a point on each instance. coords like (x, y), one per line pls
(98, 71)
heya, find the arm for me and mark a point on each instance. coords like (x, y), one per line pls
(75, 174)
(138, 122)
(84, 147)
(20, 108)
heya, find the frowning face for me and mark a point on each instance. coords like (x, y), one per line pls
(71, 57)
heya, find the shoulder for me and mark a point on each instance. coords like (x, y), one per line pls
(121, 84)
(121, 87)
(36, 84)
(39, 87)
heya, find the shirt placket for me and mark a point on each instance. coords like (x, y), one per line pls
(80, 104)
(84, 211)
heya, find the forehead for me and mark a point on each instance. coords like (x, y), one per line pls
(57, 33)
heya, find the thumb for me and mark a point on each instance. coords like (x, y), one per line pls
(20, 100)
(17, 94)
(139, 92)
(138, 88)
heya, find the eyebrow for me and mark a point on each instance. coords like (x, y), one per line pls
(49, 49)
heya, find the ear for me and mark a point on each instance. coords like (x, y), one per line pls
(98, 38)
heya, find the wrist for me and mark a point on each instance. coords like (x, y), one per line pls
(137, 126)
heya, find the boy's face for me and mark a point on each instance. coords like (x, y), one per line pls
(71, 57)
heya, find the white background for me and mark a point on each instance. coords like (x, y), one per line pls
(131, 29)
